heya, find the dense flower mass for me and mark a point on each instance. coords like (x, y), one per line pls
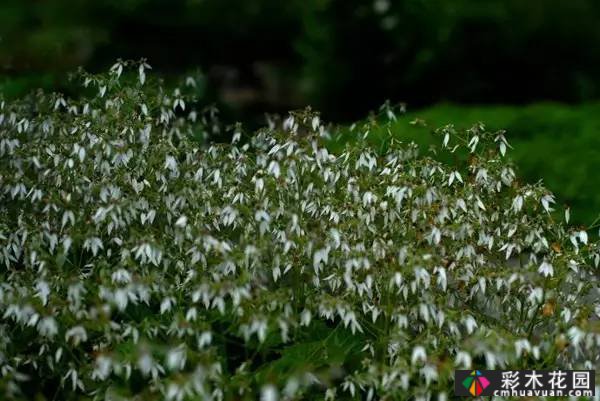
(140, 264)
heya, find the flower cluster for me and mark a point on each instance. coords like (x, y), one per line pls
(138, 263)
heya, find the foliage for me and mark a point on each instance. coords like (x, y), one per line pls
(554, 142)
(140, 263)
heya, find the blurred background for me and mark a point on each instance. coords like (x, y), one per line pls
(531, 67)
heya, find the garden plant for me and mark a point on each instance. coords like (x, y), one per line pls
(141, 261)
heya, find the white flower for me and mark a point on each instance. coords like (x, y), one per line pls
(434, 236)
(473, 143)
(479, 203)
(289, 124)
(121, 298)
(170, 163)
(291, 387)
(368, 198)
(121, 276)
(546, 269)
(315, 123)
(429, 373)
(259, 185)
(43, 291)
(77, 334)
(274, 169)
(179, 103)
(190, 81)
(502, 148)
(142, 73)
(181, 221)
(546, 201)
(322, 255)
(48, 327)
(517, 203)
(102, 368)
(117, 69)
(583, 237)
(166, 305)
(576, 335)
(205, 339)
(191, 314)
(175, 392)
(536, 296)
(442, 280)
(522, 345)
(145, 363)
(463, 359)
(470, 323)
(94, 244)
(269, 393)
(176, 358)
(305, 317)
(454, 175)
(419, 355)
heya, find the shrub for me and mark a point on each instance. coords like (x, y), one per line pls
(139, 263)
(554, 142)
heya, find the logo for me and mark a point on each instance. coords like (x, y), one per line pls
(476, 383)
(533, 384)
